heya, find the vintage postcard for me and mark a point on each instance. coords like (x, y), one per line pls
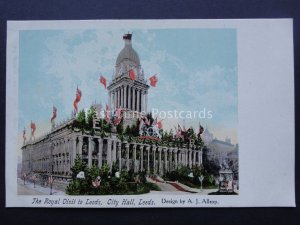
(149, 113)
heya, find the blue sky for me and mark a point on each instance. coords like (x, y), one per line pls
(197, 69)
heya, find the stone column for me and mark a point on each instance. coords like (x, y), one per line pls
(159, 161)
(194, 158)
(119, 147)
(127, 156)
(73, 150)
(100, 152)
(170, 160)
(142, 157)
(190, 158)
(108, 154)
(60, 156)
(80, 143)
(129, 97)
(133, 99)
(69, 155)
(148, 159)
(146, 101)
(134, 158)
(114, 151)
(154, 159)
(90, 151)
(141, 94)
(109, 99)
(178, 157)
(201, 157)
(122, 95)
(175, 158)
(126, 96)
(166, 159)
(118, 97)
(138, 100)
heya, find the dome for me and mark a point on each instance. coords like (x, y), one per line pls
(128, 53)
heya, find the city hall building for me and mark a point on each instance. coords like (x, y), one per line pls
(55, 152)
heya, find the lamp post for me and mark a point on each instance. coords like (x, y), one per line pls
(24, 177)
(34, 180)
(50, 181)
(221, 178)
(201, 178)
(217, 181)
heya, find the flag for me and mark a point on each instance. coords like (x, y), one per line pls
(96, 182)
(201, 129)
(54, 113)
(118, 112)
(153, 80)
(107, 114)
(33, 128)
(178, 132)
(147, 122)
(159, 124)
(77, 99)
(117, 121)
(103, 81)
(141, 123)
(132, 74)
(24, 134)
(154, 122)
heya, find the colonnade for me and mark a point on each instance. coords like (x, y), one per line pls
(58, 156)
(129, 97)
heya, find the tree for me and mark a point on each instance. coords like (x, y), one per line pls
(90, 116)
(79, 165)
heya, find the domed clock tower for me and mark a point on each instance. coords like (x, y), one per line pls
(123, 92)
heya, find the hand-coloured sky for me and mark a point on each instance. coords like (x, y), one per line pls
(197, 69)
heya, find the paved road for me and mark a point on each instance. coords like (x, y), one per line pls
(166, 187)
(25, 190)
(28, 189)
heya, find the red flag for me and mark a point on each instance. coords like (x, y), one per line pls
(159, 124)
(118, 121)
(153, 80)
(132, 74)
(118, 112)
(107, 114)
(77, 99)
(33, 128)
(103, 81)
(54, 113)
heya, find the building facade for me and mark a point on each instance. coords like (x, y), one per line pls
(55, 152)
